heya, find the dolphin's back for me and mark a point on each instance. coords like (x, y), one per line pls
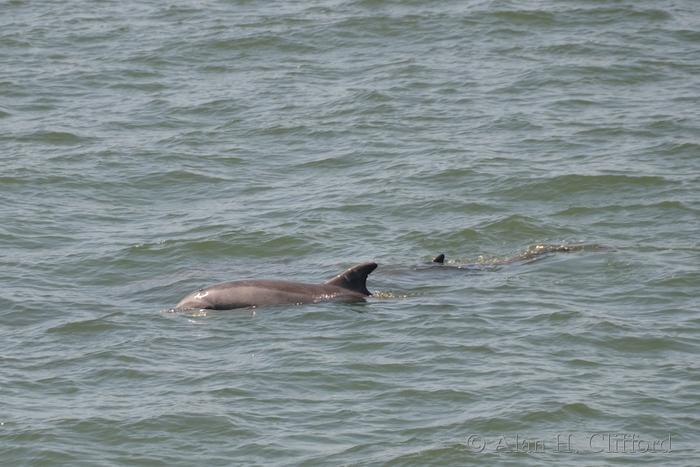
(241, 294)
(261, 292)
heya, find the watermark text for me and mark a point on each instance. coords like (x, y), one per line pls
(598, 443)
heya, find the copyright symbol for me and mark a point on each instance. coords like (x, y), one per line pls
(476, 443)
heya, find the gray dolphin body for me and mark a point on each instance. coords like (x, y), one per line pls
(261, 292)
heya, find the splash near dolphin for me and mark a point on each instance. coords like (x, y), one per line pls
(352, 284)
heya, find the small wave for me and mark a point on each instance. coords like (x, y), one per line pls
(52, 137)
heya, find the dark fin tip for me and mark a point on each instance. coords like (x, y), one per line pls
(439, 259)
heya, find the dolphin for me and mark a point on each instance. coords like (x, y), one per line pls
(530, 254)
(260, 292)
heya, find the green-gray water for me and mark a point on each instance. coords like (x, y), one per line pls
(151, 148)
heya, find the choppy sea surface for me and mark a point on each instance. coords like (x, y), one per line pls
(151, 148)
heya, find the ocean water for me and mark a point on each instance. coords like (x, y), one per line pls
(151, 148)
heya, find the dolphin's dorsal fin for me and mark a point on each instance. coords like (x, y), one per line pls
(355, 278)
(439, 259)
